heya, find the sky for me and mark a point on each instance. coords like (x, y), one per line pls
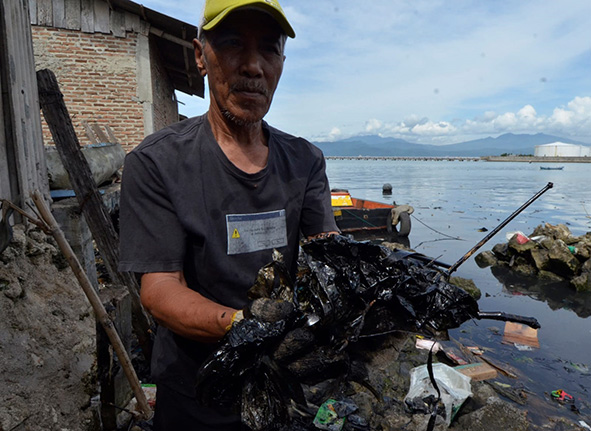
(427, 71)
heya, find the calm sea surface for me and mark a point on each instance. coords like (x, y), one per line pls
(452, 202)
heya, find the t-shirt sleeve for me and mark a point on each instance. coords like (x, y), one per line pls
(317, 216)
(152, 238)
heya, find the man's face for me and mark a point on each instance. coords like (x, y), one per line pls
(243, 58)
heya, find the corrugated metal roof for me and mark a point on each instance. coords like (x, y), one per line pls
(173, 39)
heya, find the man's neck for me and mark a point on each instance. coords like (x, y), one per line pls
(244, 145)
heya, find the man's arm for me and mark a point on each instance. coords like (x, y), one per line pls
(182, 310)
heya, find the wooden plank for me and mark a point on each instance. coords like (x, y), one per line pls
(59, 13)
(5, 181)
(102, 20)
(112, 137)
(89, 132)
(118, 23)
(132, 22)
(99, 133)
(45, 13)
(22, 142)
(73, 14)
(90, 201)
(87, 16)
(33, 11)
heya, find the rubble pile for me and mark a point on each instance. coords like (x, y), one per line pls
(47, 340)
(551, 253)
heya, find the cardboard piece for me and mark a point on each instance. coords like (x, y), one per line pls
(516, 333)
(477, 371)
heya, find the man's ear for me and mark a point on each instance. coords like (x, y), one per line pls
(199, 60)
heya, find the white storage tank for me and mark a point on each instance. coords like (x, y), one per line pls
(560, 149)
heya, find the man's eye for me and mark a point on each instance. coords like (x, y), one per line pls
(273, 49)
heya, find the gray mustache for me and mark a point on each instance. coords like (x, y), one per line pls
(255, 87)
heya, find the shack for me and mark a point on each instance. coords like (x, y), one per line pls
(118, 63)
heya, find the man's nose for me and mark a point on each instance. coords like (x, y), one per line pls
(251, 64)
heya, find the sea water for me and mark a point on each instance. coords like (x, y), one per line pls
(455, 205)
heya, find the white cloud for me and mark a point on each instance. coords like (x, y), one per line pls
(434, 129)
(335, 133)
(572, 121)
(373, 126)
(576, 116)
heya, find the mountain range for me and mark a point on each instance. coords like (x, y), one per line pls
(373, 145)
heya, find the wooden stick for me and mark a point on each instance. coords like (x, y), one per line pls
(95, 302)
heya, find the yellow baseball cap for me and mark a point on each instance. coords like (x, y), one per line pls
(216, 10)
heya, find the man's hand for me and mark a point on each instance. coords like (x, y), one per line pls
(264, 310)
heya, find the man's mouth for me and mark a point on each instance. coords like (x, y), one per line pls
(250, 89)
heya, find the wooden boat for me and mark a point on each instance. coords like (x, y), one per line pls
(359, 215)
(551, 168)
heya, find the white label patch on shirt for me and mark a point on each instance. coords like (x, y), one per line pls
(254, 232)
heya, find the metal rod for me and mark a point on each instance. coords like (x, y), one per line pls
(532, 322)
(498, 228)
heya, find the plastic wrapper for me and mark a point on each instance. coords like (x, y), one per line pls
(454, 388)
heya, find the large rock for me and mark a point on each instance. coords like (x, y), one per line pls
(554, 232)
(501, 251)
(541, 258)
(562, 260)
(468, 285)
(486, 259)
(582, 283)
(519, 247)
(495, 415)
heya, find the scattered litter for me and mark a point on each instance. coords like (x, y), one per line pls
(584, 425)
(503, 385)
(454, 357)
(475, 350)
(424, 344)
(327, 418)
(562, 396)
(478, 371)
(150, 392)
(454, 387)
(521, 237)
(523, 347)
(516, 333)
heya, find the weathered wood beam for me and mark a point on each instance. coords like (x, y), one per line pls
(90, 201)
(167, 36)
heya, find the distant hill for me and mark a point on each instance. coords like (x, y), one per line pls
(372, 145)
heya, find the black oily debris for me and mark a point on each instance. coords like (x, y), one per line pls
(298, 332)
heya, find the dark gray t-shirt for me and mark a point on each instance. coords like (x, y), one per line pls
(185, 206)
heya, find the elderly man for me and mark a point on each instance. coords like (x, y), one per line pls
(204, 203)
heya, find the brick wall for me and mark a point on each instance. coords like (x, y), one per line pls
(97, 74)
(165, 105)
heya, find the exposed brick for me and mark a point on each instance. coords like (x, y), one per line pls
(97, 75)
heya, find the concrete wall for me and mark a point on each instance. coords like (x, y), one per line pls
(97, 74)
(163, 97)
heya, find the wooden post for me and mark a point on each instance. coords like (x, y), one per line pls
(99, 310)
(90, 201)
